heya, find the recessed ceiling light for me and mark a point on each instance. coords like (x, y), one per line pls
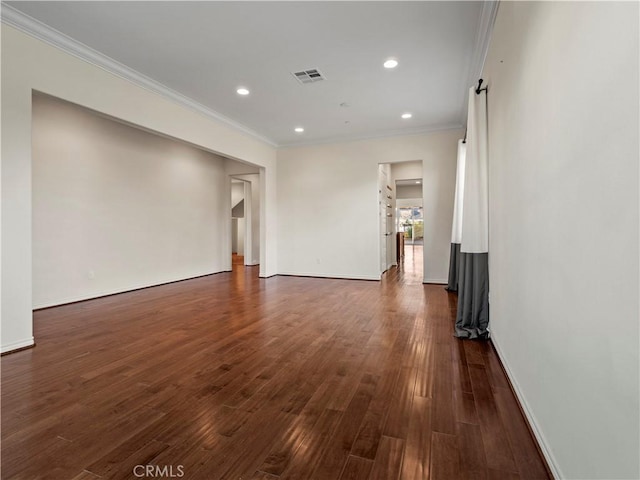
(406, 115)
(242, 91)
(298, 129)
(418, 181)
(390, 63)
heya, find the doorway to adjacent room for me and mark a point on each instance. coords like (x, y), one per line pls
(410, 225)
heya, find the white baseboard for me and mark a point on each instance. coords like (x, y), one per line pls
(331, 275)
(439, 281)
(267, 274)
(17, 345)
(551, 462)
(123, 289)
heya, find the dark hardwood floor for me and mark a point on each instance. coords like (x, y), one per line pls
(235, 377)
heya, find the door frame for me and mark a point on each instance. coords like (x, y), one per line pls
(248, 236)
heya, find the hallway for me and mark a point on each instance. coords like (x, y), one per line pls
(231, 376)
(409, 271)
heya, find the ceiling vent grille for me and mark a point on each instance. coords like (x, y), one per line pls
(309, 76)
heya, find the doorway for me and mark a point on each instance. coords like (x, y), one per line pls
(410, 223)
(409, 219)
(386, 206)
(401, 218)
(246, 237)
(240, 192)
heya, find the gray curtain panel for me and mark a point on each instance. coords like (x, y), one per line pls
(454, 261)
(472, 320)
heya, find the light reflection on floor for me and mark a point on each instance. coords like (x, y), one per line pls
(411, 265)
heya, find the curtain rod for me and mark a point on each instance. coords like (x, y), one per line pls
(478, 90)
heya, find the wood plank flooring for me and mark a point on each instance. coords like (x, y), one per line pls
(235, 377)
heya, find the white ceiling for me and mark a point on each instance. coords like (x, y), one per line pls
(205, 50)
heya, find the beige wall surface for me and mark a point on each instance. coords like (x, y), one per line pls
(117, 208)
(29, 64)
(563, 192)
(328, 196)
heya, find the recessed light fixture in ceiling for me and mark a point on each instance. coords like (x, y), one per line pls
(406, 115)
(390, 63)
(298, 129)
(418, 181)
(242, 91)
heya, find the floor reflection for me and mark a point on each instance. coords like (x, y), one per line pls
(411, 265)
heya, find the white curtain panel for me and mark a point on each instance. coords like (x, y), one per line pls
(456, 229)
(475, 204)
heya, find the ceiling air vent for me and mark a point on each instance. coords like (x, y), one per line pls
(309, 76)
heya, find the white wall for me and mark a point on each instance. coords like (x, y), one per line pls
(237, 193)
(116, 208)
(29, 64)
(563, 125)
(234, 235)
(409, 191)
(408, 202)
(237, 230)
(240, 224)
(258, 227)
(406, 170)
(328, 195)
(387, 205)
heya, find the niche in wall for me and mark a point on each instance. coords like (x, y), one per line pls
(117, 208)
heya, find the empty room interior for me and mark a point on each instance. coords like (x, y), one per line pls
(320, 240)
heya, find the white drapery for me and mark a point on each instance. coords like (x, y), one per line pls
(469, 261)
(475, 202)
(456, 229)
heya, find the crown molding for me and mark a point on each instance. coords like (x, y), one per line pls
(483, 38)
(387, 134)
(36, 29)
(481, 48)
(29, 25)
